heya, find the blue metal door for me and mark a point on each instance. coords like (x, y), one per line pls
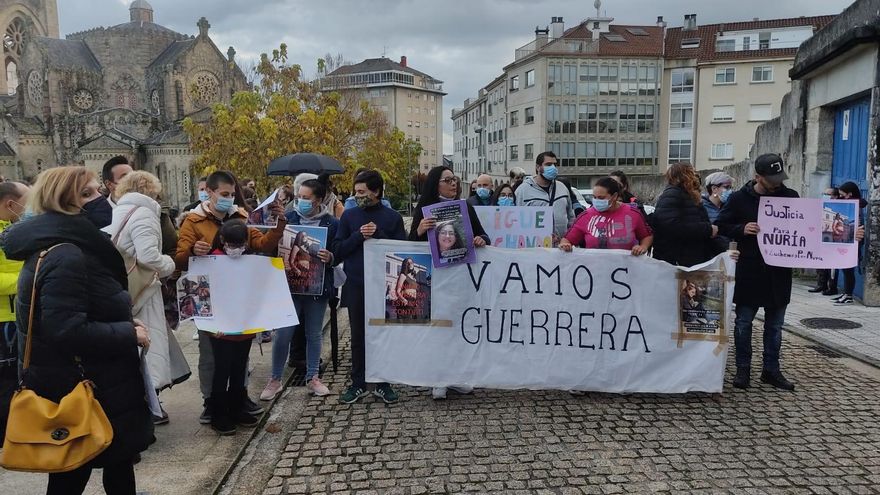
(850, 161)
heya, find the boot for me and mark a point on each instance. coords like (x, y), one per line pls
(776, 379)
(742, 378)
(237, 407)
(221, 421)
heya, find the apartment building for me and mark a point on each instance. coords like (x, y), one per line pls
(411, 100)
(590, 93)
(722, 81)
(469, 147)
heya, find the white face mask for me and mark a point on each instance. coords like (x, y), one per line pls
(234, 252)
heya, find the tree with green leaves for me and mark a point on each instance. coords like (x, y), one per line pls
(288, 113)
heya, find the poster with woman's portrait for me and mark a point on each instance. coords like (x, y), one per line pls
(407, 288)
(299, 249)
(194, 297)
(452, 239)
(701, 302)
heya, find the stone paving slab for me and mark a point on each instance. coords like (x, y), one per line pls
(823, 438)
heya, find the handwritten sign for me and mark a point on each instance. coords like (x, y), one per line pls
(808, 233)
(517, 227)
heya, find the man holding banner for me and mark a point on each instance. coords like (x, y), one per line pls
(757, 284)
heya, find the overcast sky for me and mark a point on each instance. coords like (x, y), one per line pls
(464, 43)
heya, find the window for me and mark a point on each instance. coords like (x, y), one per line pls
(569, 79)
(681, 116)
(409, 123)
(530, 115)
(760, 113)
(587, 118)
(514, 152)
(763, 41)
(726, 75)
(725, 45)
(683, 81)
(588, 80)
(529, 152)
(690, 43)
(723, 113)
(762, 73)
(627, 118)
(418, 124)
(679, 150)
(514, 118)
(646, 118)
(566, 154)
(554, 79)
(747, 42)
(553, 124)
(408, 109)
(722, 151)
(608, 117)
(569, 119)
(514, 83)
(530, 78)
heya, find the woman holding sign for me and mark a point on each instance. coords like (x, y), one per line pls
(441, 185)
(608, 224)
(849, 190)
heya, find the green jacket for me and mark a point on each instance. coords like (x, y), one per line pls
(9, 271)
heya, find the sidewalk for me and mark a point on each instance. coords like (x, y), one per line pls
(859, 343)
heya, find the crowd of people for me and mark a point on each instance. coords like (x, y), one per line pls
(105, 299)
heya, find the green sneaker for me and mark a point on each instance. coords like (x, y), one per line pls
(386, 393)
(353, 394)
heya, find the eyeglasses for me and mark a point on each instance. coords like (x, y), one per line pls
(449, 180)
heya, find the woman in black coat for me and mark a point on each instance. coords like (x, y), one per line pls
(83, 313)
(441, 184)
(683, 235)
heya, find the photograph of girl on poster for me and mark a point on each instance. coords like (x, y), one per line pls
(407, 288)
(450, 241)
(194, 297)
(299, 250)
(701, 302)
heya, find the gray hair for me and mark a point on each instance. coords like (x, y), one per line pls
(718, 178)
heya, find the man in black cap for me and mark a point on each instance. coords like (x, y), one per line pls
(757, 284)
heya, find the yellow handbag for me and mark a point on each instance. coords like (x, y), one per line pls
(45, 437)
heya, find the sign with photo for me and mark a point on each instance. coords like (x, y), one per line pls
(808, 233)
(299, 248)
(262, 217)
(452, 238)
(407, 288)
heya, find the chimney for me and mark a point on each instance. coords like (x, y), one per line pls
(660, 22)
(557, 28)
(690, 22)
(231, 54)
(403, 60)
(541, 37)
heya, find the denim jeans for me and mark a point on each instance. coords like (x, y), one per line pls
(311, 317)
(774, 318)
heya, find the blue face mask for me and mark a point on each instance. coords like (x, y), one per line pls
(550, 172)
(204, 196)
(225, 205)
(826, 196)
(505, 201)
(304, 206)
(725, 195)
(601, 204)
(483, 193)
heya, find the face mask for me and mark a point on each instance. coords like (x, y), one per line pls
(27, 214)
(99, 212)
(725, 195)
(550, 172)
(505, 201)
(224, 205)
(204, 196)
(483, 193)
(601, 204)
(826, 196)
(234, 252)
(363, 201)
(304, 206)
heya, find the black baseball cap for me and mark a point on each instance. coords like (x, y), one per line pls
(769, 166)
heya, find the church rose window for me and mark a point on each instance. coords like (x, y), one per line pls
(206, 89)
(154, 100)
(35, 88)
(83, 99)
(13, 39)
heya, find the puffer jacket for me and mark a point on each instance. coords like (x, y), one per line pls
(9, 270)
(83, 312)
(201, 225)
(682, 231)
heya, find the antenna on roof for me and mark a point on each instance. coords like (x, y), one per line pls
(598, 5)
(384, 50)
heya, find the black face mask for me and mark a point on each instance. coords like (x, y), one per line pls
(99, 212)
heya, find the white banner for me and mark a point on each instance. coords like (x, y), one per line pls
(241, 295)
(597, 320)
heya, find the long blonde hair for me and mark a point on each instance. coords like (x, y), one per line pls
(684, 175)
(57, 190)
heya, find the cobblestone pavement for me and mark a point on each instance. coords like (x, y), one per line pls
(823, 438)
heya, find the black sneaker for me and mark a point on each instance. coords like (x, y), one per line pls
(252, 408)
(207, 414)
(776, 379)
(353, 394)
(816, 289)
(224, 426)
(386, 393)
(844, 300)
(829, 292)
(161, 420)
(742, 379)
(247, 420)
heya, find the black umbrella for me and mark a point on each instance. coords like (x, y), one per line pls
(298, 163)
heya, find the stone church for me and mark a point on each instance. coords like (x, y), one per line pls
(120, 90)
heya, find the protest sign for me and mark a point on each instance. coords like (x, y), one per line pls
(599, 320)
(517, 227)
(248, 294)
(261, 217)
(808, 233)
(299, 248)
(452, 238)
(408, 288)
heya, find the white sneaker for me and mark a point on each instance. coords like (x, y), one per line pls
(196, 335)
(271, 391)
(438, 393)
(317, 388)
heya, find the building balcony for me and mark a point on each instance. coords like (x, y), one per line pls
(562, 46)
